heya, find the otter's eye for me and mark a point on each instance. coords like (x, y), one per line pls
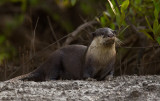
(114, 32)
(111, 35)
(102, 34)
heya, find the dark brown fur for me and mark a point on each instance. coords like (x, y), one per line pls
(78, 61)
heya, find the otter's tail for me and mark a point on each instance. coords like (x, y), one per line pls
(28, 77)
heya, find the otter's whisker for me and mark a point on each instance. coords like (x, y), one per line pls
(119, 42)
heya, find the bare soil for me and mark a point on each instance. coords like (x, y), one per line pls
(122, 88)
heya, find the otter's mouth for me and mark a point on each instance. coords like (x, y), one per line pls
(109, 41)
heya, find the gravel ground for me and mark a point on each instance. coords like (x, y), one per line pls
(124, 88)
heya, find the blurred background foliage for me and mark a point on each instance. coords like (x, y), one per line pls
(18, 19)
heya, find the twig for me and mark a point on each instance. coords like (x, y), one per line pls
(156, 52)
(152, 62)
(5, 69)
(120, 65)
(53, 33)
(34, 34)
(74, 34)
(23, 66)
(35, 55)
(157, 46)
(127, 62)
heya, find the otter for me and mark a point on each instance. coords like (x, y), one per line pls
(79, 62)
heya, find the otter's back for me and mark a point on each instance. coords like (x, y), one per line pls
(72, 61)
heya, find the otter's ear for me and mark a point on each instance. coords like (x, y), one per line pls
(114, 32)
(93, 34)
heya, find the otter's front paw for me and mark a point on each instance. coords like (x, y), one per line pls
(109, 77)
(91, 79)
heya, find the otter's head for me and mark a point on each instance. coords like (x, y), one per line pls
(104, 36)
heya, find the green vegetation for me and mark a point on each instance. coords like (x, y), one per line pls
(114, 16)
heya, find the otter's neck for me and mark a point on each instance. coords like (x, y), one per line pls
(100, 54)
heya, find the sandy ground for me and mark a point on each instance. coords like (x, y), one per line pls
(124, 88)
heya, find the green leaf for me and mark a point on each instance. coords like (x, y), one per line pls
(73, 2)
(112, 26)
(147, 34)
(113, 8)
(155, 26)
(118, 17)
(156, 4)
(103, 21)
(156, 12)
(122, 18)
(122, 31)
(124, 5)
(158, 40)
(158, 30)
(149, 24)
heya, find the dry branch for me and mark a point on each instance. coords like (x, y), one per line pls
(33, 40)
(53, 33)
(72, 36)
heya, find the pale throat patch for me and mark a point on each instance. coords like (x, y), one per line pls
(100, 53)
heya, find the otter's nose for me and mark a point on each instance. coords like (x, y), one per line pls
(110, 35)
